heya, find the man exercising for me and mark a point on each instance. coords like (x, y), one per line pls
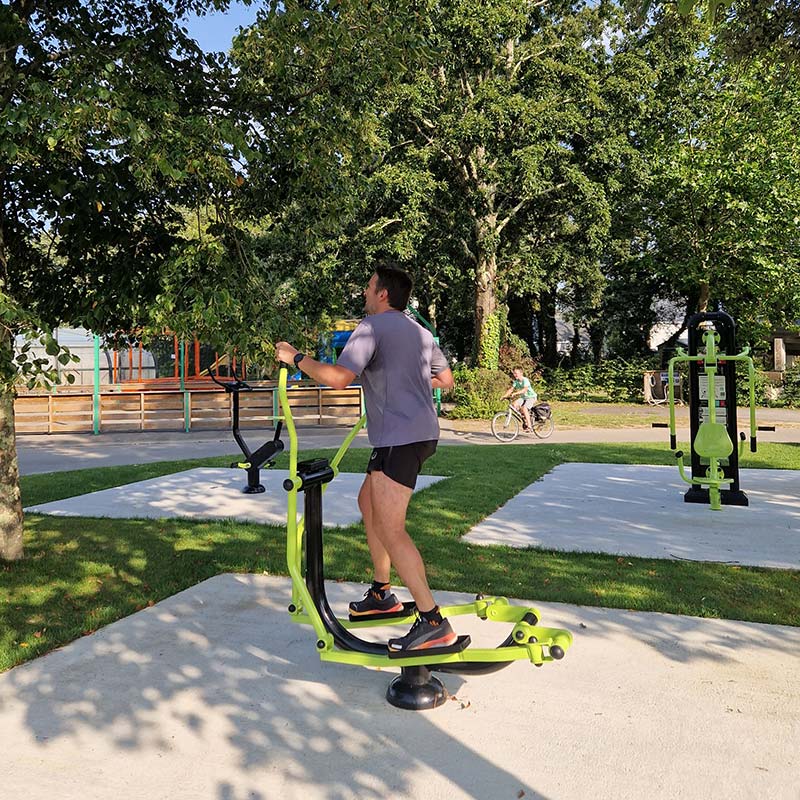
(399, 364)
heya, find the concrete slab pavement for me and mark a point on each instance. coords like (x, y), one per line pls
(209, 493)
(214, 693)
(638, 510)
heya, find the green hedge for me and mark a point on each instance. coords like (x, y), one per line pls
(790, 393)
(477, 392)
(614, 380)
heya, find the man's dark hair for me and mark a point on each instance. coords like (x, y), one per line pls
(397, 282)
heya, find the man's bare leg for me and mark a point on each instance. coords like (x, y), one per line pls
(381, 562)
(388, 505)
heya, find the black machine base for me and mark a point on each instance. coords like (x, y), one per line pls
(728, 497)
(462, 643)
(415, 689)
(253, 489)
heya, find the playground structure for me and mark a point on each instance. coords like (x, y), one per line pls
(712, 360)
(415, 688)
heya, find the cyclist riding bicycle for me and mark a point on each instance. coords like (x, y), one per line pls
(524, 394)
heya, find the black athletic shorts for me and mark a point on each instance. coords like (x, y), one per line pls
(401, 462)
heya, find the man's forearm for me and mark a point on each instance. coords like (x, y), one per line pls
(327, 374)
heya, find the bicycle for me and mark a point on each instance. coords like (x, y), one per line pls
(507, 424)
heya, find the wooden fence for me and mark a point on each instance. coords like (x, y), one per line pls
(173, 409)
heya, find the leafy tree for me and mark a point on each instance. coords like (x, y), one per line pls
(470, 141)
(104, 128)
(726, 193)
(746, 29)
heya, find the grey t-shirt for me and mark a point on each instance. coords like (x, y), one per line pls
(396, 359)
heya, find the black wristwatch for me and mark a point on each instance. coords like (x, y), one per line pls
(298, 358)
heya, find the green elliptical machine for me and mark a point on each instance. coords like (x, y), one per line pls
(415, 688)
(712, 411)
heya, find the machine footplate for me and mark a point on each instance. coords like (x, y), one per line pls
(462, 643)
(406, 611)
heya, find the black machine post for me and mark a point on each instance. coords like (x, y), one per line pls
(254, 459)
(415, 688)
(714, 403)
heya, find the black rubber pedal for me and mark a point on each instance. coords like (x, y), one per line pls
(407, 611)
(462, 643)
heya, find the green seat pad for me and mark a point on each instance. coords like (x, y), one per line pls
(712, 441)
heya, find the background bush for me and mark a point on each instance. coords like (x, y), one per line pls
(614, 380)
(477, 393)
(790, 393)
(514, 353)
(765, 389)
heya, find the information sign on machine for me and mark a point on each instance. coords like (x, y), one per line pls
(720, 399)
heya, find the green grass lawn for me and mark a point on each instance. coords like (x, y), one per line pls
(82, 573)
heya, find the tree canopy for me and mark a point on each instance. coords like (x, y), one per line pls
(524, 160)
(105, 131)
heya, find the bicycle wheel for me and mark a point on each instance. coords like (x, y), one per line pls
(544, 428)
(505, 426)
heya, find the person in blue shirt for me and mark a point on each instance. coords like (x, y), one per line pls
(524, 395)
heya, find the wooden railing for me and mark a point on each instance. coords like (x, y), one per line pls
(172, 409)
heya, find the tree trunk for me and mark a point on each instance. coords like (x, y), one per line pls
(547, 322)
(10, 501)
(485, 301)
(705, 293)
(520, 319)
(597, 337)
(575, 355)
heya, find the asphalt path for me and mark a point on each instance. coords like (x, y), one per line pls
(58, 452)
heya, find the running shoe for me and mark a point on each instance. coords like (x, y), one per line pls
(424, 635)
(373, 603)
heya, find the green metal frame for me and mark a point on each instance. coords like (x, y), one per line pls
(717, 447)
(96, 387)
(532, 642)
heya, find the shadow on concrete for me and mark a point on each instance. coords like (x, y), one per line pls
(218, 685)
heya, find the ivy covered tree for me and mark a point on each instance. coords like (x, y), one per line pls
(104, 132)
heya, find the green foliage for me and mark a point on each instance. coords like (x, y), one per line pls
(477, 392)
(514, 352)
(478, 143)
(745, 29)
(726, 192)
(790, 391)
(489, 342)
(613, 381)
(104, 130)
(19, 364)
(765, 389)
